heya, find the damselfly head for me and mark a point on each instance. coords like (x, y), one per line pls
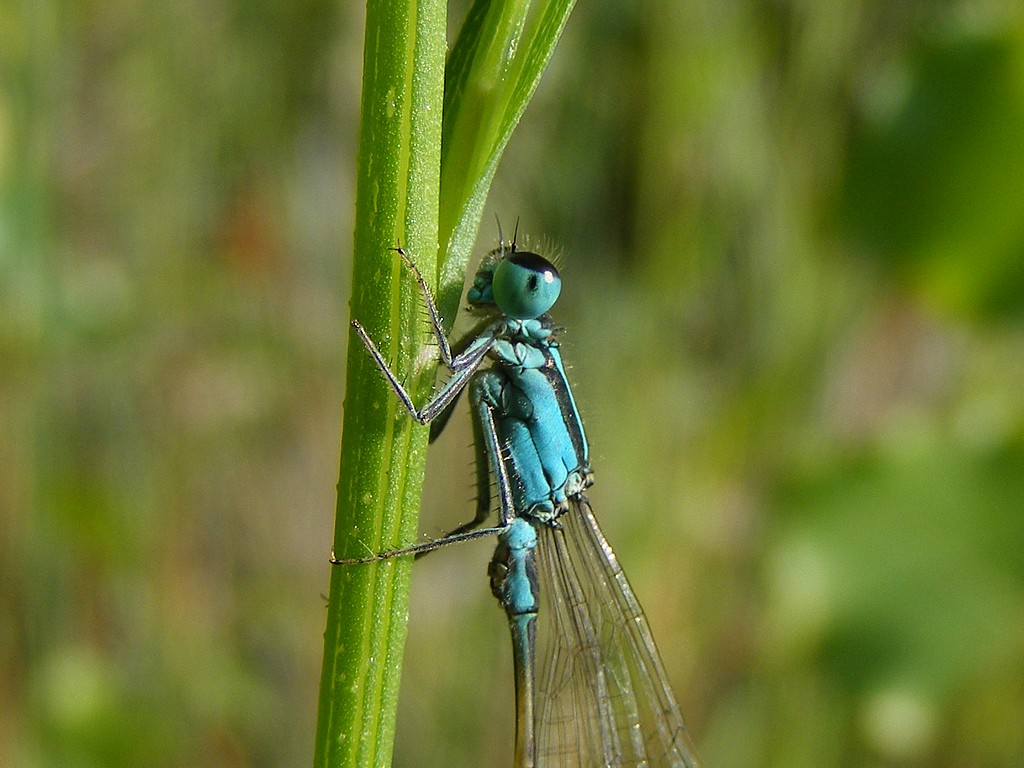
(522, 284)
(525, 285)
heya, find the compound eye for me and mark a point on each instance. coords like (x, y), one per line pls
(525, 285)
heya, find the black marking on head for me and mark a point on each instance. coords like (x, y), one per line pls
(532, 261)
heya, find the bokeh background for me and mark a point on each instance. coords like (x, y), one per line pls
(792, 237)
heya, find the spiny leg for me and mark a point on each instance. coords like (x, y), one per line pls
(435, 318)
(489, 460)
(439, 407)
(483, 487)
(463, 367)
(417, 549)
(484, 436)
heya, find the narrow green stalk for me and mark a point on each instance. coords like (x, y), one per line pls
(495, 65)
(383, 453)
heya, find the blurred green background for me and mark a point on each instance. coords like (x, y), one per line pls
(792, 237)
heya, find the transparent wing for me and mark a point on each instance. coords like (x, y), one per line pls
(603, 698)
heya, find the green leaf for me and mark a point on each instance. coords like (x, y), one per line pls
(493, 71)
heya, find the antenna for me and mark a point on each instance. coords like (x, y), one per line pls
(501, 236)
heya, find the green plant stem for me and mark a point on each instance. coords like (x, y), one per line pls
(383, 451)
